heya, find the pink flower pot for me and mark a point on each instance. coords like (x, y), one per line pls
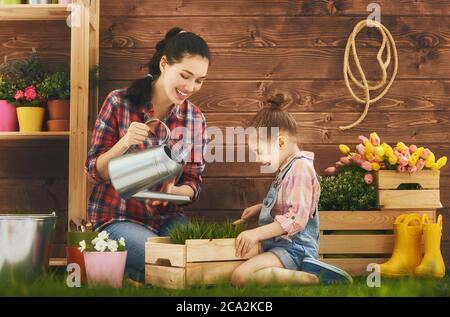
(8, 117)
(105, 268)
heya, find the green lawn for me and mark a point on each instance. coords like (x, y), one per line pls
(54, 285)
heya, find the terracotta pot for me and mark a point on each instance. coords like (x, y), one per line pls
(8, 117)
(59, 109)
(30, 118)
(58, 125)
(105, 268)
(74, 255)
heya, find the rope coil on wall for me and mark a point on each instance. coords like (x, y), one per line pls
(387, 44)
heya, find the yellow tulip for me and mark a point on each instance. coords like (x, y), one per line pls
(369, 147)
(441, 162)
(379, 151)
(430, 160)
(419, 151)
(402, 147)
(344, 149)
(387, 149)
(379, 158)
(434, 167)
(393, 159)
(412, 161)
(375, 166)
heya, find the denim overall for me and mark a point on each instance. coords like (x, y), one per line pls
(304, 243)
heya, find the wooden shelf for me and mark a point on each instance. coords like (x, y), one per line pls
(58, 262)
(36, 12)
(44, 135)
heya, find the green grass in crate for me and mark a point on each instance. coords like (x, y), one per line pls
(197, 229)
(54, 285)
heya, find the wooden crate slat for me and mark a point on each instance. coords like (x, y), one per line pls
(209, 273)
(407, 199)
(356, 244)
(160, 249)
(355, 266)
(214, 250)
(165, 276)
(362, 220)
(428, 179)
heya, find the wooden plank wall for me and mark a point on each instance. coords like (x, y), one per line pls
(259, 48)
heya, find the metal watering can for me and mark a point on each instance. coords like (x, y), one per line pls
(131, 174)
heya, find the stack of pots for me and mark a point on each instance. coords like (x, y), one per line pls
(59, 114)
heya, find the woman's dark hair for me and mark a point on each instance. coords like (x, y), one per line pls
(176, 45)
(272, 115)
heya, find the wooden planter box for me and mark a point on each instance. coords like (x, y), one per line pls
(197, 262)
(353, 239)
(389, 197)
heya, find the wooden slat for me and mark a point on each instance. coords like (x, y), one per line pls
(363, 220)
(52, 60)
(428, 179)
(271, 7)
(356, 244)
(284, 63)
(214, 250)
(264, 31)
(209, 273)
(309, 95)
(25, 12)
(58, 262)
(161, 249)
(165, 276)
(33, 135)
(405, 199)
(355, 267)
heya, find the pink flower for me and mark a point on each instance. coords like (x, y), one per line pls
(361, 149)
(412, 169)
(374, 139)
(425, 153)
(368, 178)
(412, 148)
(30, 93)
(401, 168)
(330, 170)
(367, 166)
(357, 158)
(420, 164)
(362, 139)
(19, 95)
(345, 160)
(402, 160)
(339, 163)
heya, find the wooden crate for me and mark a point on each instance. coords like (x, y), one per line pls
(353, 239)
(197, 262)
(389, 197)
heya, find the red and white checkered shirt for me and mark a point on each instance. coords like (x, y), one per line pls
(105, 205)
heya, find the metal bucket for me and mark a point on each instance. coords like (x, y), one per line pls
(25, 242)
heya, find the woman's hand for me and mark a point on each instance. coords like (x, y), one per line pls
(136, 134)
(251, 212)
(167, 187)
(245, 241)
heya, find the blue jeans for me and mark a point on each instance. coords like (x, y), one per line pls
(135, 236)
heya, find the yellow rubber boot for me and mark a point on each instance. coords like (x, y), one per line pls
(406, 255)
(432, 264)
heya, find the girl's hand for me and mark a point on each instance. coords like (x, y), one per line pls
(245, 241)
(136, 134)
(167, 187)
(251, 212)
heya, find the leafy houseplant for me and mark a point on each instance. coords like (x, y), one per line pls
(56, 89)
(347, 190)
(197, 229)
(105, 260)
(29, 109)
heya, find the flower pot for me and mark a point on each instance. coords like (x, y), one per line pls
(30, 118)
(74, 255)
(39, 1)
(65, 1)
(105, 268)
(8, 117)
(10, 1)
(59, 109)
(58, 125)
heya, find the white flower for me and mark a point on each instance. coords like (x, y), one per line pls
(112, 245)
(103, 235)
(122, 241)
(95, 240)
(100, 245)
(82, 246)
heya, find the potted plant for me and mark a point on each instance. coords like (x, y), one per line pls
(56, 89)
(8, 115)
(105, 260)
(30, 110)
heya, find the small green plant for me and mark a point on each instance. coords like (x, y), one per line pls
(9, 86)
(30, 70)
(55, 86)
(347, 190)
(197, 229)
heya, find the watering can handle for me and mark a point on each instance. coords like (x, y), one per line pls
(166, 139)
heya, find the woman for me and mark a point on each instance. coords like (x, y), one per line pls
(176, 71)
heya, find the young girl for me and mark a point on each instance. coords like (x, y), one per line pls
(176, 70)
(288, 226)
